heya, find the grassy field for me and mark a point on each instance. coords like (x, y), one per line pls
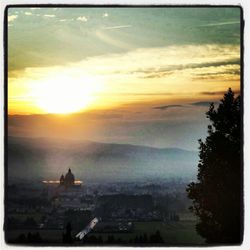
(173, 233)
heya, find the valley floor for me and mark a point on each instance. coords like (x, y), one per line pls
(179, 233)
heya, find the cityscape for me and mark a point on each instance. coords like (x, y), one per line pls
(41, 211)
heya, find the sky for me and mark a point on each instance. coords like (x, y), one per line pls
(142, 76)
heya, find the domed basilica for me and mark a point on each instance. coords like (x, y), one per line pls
(68, 180)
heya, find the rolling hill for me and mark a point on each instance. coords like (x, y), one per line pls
(41, 158)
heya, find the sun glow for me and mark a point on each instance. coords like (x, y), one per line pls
(63, 95)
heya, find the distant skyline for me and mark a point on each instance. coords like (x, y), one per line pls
(128, 75)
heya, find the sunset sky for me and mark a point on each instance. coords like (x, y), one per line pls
(126, 75)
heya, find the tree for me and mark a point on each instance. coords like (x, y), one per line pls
(67, 238)
(217, 194)
(156, 238)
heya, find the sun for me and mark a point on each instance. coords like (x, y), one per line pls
(63, 95)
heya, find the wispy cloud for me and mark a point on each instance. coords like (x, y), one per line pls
(212, 93)
(48, 15)
(219, 24)
(164, 62)
(203, 103)
(125, 73)
(139, 94)
(167, 107)
(212, 69)
(117, 27)
(12, 18)
(82, 19)
(105, 14)
(28, 13)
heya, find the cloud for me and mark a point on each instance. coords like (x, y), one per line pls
(12, 18)
(142, 94)
(133, 125)
(228, 71)
(48, 15)
(117, 27)
(105, 14)
(166, 60)
(212, 93)
(167, 107)
(65, 20)
(219, 24)
(125, 73)
(170, 69)
(217, 92)
(203, 103)
(82, 19)
(28, 13)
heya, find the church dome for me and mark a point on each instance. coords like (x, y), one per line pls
(69, 178)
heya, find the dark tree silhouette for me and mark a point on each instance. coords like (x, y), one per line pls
(34, 238)
(31, 238)
(217, 194)
(21, 238)
(110, 240)
(30, 223)
(156, 238)
(67, 238)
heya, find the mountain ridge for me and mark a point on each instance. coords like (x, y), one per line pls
(98, 142)
(42, 158)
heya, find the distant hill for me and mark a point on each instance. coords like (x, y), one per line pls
(45, 158)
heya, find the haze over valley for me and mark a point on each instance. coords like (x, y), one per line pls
(42, 158)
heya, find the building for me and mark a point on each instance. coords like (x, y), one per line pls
(68, 180)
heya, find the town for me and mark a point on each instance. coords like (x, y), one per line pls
(41, 212)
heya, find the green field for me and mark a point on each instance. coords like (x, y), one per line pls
(173, 233)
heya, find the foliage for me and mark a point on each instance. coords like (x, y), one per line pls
(217, 194)
(30, 238)
(67, 238)
(142, 239)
